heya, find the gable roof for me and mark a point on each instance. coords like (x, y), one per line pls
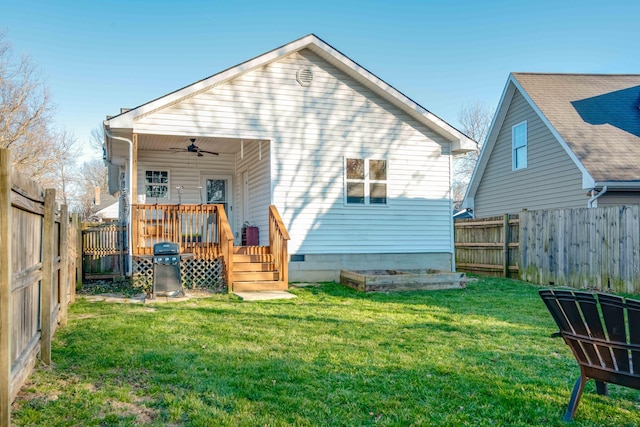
(461, 142)
(595, 117)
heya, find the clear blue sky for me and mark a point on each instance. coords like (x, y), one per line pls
(98, 56)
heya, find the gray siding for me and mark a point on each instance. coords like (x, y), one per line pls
(551, 180)
(613, 198)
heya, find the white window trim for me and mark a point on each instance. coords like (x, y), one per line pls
(366, 181)
(152, 198)
(514, 148)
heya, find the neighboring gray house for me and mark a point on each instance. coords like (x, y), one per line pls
(560, 141)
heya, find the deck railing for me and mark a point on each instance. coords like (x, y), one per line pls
(204, 231)
(198, 229)
(278, 238)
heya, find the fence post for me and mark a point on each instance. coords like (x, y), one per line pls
(522, 244)
(505, 246)
(64, 264)
(47, 275)
(5, 287)
(73, 248)
(79, 249)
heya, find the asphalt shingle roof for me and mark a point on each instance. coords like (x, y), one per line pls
(597, 115)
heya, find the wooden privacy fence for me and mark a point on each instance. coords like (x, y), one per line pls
(38, 266)
(488, 245)
(581, 248)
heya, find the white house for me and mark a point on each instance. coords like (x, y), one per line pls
(359, 174)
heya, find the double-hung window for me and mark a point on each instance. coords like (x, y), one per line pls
(156, 184)
(365, 181)
(519, 146)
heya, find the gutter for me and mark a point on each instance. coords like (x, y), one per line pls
(594, 196)
(129, 196)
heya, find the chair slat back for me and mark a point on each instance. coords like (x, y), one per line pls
(633, 318)
(613, 315)
(593, 325)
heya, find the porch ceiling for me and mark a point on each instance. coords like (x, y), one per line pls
(167, 142)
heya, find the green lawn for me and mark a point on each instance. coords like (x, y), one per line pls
(480, 356)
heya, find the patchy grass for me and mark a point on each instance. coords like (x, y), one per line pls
(481, 356)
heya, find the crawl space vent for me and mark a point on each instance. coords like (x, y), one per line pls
(304, 76)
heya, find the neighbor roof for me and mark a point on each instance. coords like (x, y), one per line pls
(597, 116)
(462, 142)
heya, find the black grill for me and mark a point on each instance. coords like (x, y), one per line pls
(166, 270)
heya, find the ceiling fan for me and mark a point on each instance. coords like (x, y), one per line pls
(193, 148)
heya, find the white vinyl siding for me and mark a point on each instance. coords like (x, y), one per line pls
(551, 179)
(256, 160)
(186, 171)
(519, 145)
(308, 129)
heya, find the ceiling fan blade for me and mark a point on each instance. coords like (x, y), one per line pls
(208, 152)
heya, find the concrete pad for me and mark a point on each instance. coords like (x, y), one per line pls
(264, 295)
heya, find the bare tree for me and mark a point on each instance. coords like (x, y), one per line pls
(92, 174)
(63, 172)
(25, 112)
(475, 119)
(97, 139)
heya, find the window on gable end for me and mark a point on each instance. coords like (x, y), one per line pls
(519, 146)
(365, 181)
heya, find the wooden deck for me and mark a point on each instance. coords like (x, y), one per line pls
(203, 230)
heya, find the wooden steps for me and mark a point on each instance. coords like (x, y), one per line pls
(254, 270)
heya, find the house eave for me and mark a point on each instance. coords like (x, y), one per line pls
(461, 143)
(618, 185)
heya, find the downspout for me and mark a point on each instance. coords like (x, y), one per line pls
(594, 196)
(452, 229)
(129, 197)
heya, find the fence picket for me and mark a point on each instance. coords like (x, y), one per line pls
(583, 248)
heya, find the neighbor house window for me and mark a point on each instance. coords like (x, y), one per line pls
(519, 146)
(366, 181)
(156, 184)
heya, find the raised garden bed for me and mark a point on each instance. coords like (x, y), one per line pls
(401, 280)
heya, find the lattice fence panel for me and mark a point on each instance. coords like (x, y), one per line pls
(194, 273)
(142, 273)
(202, 273)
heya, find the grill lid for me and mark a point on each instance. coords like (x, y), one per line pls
(166, 248)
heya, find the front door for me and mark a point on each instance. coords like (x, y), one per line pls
(218, 190)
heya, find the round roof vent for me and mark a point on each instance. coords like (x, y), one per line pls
(304, 76)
